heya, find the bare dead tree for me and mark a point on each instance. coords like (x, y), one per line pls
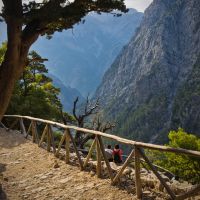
(97, 125)
(90, 108)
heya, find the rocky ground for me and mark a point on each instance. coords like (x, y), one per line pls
(29, 172)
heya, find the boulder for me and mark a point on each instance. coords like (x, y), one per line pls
(179, 188)
(128, 171)
(148, 182)
(56, 165)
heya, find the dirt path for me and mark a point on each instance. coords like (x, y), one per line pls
(27, 172)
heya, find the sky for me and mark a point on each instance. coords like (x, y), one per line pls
(139, 5)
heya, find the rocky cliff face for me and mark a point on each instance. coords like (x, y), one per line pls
(141, 88)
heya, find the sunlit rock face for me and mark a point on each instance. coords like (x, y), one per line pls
(146, 88)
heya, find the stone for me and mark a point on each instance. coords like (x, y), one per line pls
(179, 188)
(13, 183)
(146, 192)
(122, 179)
(165, 178)
(114, 167)
(56, 165)
(38, 189)
(49, 174)
(65, 180)
(127, 171)
(43, 177)
(92, 173)
(143, 171)
(148, 182)
(5, 179)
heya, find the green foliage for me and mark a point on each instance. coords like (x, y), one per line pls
(2, 51)
(57, 137)
(135, 123)
(46, 17)
(185, 167)
(186, 104)
(34, 93)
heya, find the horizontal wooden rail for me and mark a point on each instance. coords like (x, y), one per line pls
(114, 137)
(67, 138)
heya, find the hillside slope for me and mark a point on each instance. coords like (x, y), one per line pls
(141, 89)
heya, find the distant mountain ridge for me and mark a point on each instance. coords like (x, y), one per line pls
(152, 85)
(67, 94)
(79, 57)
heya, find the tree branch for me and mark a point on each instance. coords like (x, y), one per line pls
(74, 109)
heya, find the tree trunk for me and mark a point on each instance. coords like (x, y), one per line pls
(19, 42)
(12, 66)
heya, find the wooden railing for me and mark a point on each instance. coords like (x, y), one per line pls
(137, 151)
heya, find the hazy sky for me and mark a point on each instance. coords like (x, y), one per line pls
(139, 5)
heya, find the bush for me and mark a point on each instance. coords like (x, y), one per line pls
(185, 167)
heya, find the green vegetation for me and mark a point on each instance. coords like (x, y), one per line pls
(136, 123)
(186, 104)
(34, 93)
(185, 167)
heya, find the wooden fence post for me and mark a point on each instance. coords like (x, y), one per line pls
(60, 143)
(170, 192)
(137, 174)
(98, 155)
(22, 127)
(52, 141)
(43, 135)
(75, 148)
(33, 131)
(67, 147)
(116, 178)
(89, 153)
(48, 139)
(105, 157)
(29, 130)
(14, 123)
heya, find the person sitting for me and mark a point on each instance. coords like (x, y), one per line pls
(117, 154)
(109, 153)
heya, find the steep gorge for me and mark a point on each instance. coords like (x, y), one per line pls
(153, 85)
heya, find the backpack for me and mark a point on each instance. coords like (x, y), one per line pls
(117, 157)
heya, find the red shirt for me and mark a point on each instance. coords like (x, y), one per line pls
(119, 151)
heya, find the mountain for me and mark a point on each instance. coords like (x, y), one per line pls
(80, 56)
(153, 84)
(67, 94)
